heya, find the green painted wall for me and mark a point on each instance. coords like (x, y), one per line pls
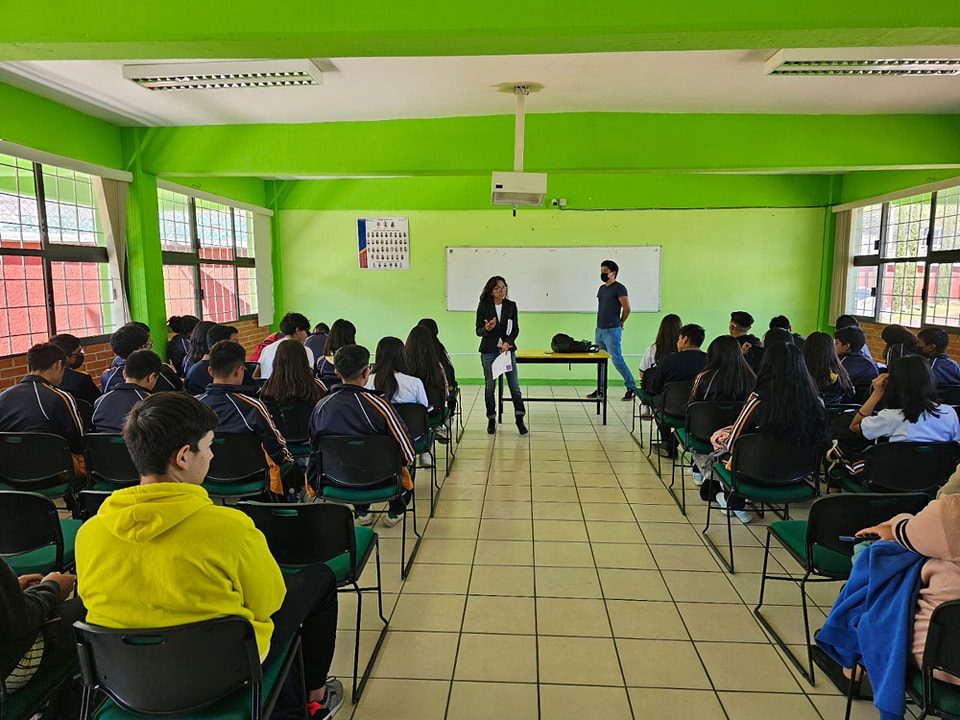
(248, 190)
(865, 185)
(767, 261)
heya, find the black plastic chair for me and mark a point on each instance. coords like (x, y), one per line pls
(183, 669)
(238, 468)
(417, 420)
(30, 700)
(766, 472)
(293, 422)
(88, 503)
(702, 419)
(36, 462)
(941, 652)
(304, 534)
(949, 394)
(362, 471)
(815, 544)
(906, 467)
(85, 411)
(33, 538)
(861, 393)
(253, 368)
(670, 412)
(109, 462)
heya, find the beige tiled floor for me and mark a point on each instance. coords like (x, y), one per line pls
(558, 579)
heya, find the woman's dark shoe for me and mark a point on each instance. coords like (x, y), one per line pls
(491, 426)
(521, 427)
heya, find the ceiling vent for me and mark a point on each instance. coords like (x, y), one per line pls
(864, 62)
(519, 188)
(225, 75)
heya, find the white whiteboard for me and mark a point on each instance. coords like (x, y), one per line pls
(552, 279)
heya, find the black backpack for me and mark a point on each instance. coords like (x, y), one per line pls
(565, 344)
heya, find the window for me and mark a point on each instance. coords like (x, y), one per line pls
(208, 258)
(53, 257)
(906, 260)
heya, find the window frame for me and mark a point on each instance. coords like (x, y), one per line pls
(878, 260)
(192, 258)
(50, 253)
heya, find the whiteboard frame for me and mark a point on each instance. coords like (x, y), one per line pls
(446, 274)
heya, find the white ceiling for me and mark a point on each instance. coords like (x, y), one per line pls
(387, 88)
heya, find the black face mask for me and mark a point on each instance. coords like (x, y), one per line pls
(604, 277)
(77, 362)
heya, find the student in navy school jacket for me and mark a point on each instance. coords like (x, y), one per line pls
(79, 384)
(933, 344)
(126, 340)
(140, 374)
(850, 342)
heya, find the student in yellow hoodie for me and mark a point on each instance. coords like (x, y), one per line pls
(162, 554)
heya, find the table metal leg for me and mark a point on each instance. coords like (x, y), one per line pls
(604, 368)
(599, 385)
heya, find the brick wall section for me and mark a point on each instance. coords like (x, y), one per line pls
(873, 330)
(99, 356)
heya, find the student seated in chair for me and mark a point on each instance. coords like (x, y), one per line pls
(664, 344)
(295, 327)
(342, 333)
(773, 336)
(389, 375)
(240, 413)
(36, 630)
(829, 375)
(140, 374)
(37, 404)
(933, 346)
(79, 384)
(352, 410)
(685, 364)
(199, 376)
(178, 347)
(845, 321)
(126, 340)
(783, 322)
(726, 376)
(899, 342)
(292, 380)
(164, 540)
(850, 343)
(740, 324)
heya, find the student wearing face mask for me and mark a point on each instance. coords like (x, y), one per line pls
(78, 384)
(613, 309)
(497, 328)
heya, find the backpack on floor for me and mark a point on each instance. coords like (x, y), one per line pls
(565, 344)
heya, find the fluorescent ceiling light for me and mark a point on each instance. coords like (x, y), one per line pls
(225, 75)
(863, 62)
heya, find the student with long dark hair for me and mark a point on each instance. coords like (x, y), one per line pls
(342, 333)
(727, 376)
(773, 336)
(422, 362)
(498, 327)
(292, 380)
(830, 377)
(784, 406)
(665, 343)
(178, 347)
(198, 345)
(448, 369)
(899, 343)
(390, 378)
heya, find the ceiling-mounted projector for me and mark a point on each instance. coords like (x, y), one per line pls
(519, 188)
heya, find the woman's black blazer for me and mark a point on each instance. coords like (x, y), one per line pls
(490, 341)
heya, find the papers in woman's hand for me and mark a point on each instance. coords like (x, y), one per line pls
(503, 364)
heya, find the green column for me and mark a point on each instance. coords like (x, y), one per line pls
(144, 258)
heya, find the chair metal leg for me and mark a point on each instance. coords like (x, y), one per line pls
(730, 538)
(852, 689)
(411, 508)
(806, 625)
(356, 640)
(713, 546)
(359, 686)
(682, 500)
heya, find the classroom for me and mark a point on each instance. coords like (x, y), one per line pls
(533, 360)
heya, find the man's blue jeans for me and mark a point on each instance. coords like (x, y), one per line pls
(490, 385)
(609, 339)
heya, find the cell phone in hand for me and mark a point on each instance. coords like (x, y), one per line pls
(866, 537)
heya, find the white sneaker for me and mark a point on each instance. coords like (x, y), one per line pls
(697, 477)
(744, 516)
(390, 520)
(364, 519)
(426, 460)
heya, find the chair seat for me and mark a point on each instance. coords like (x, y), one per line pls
(106, 486)
(44, 560)
(793, 535)
(341, 563)
(423, 443)
(363, 497)
(233, 489)
(946, 696)
(671, 421)
(232, 707)
(299, 450)
(644, 397)
(691, 443)
(439, 418)
(53, 492)
(796, 492)
(23, 703)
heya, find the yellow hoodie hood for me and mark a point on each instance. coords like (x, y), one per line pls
(143, 513)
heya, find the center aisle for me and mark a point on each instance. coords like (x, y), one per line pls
(559, 580)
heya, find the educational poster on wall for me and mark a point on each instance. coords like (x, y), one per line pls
(383, 243)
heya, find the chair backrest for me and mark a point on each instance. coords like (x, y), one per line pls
(174, 669)
(293, 420)
(676, 395)
(252, 367)
(28, 521)
(942, 648)
(109, 459)
(846, 513)
(949, 394)
(707, 416)
(304, 533)
(359, 463)
(909, 467)
(85, 411)
(88, 503)
(861, 393)
(764, 461)
(415, 417)
(34, 459)
(236, 457)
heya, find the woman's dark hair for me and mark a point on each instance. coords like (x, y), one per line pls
(292, 380)
(421, 357)
(910, 388)
(431, 325)
(198, 341)
(182, 324)
(777, 336)
(161, 424)
(667, 336)
(894, 335)
(820, 355)
(342, 333)
(791, 406)
(389, 361)
(730, 376)
(487, 292)
(321, 329)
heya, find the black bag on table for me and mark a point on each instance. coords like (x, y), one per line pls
(562, 343)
